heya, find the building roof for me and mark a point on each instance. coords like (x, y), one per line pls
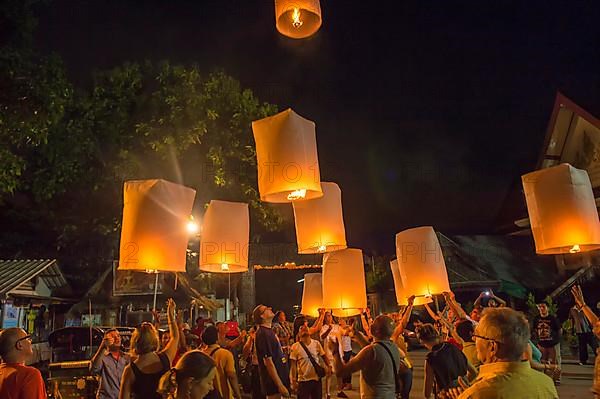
(16, 272)
(507, 261)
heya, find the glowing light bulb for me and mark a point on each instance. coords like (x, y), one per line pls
(296, 22)
(298, 194)
(224, 267)
(322, 248)
(575, 249)
(192, 226)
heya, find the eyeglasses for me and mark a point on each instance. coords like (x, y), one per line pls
(27, 337)
(486, 338)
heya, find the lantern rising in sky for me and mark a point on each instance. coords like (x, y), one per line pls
(297, 19)
(562, 210)
(287, 160)
(154, 234)
(320, 222)
(312, 294)
(421, 262)
(225, 236)
(344, 288)
(401, 293)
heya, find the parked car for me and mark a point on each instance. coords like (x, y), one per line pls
(71, 349)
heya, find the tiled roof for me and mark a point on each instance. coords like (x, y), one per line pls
(14, 273)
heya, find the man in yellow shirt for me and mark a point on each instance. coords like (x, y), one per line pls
(226, 381)
(500, 340)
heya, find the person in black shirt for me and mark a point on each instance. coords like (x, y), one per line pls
(444, 364)
(547, 329)
(272, 363)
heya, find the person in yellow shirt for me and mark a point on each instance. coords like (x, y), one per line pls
(500, 339)
(226, 381)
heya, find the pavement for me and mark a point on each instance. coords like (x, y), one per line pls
(575, 383)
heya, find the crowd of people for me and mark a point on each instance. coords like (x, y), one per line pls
(487, 353)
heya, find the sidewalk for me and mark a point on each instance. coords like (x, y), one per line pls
(571, 367)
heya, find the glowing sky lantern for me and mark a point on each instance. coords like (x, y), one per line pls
(344, 288)
(154, 235)
(562, 210)
(297, 19)
(320, 222)
(401, 293)
(287, 160)
(312, 294)
(224, 239)
(421, 262)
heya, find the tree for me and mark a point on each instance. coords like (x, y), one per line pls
(137, 121)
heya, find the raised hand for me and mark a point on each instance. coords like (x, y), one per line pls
(578, 295)
(171, 307)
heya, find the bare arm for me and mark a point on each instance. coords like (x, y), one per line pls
(318, 324)
(355, 364)
(232, 378)
(404, 320)
(238, 341)
(580, 301)
(501, 301)
(428, 384)
(477, 303)
(126, 383)
(96, 361)
(247, 350)
(365, 325)
(455, 306)
(431, 312)
(274, 376)
(171, 348)
(293, 375)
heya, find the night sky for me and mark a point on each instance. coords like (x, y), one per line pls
(427, 112)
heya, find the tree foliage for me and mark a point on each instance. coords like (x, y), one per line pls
(65, 151)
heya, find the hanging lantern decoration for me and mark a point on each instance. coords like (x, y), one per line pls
(154, 234)
(297, 19)
(320, 222)
(312, 294)
(224, 239)
(401, 293)
(562, 210)
(421, 262)
(286, 154)
(344, 288)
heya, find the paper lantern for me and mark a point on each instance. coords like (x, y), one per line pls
(312, 294)
(421, 262)
(401, 293)
(286, 154)
(344, 288)
(320, 222)
(297, 19)
(154, 234)
(224, 239)
(562, 210)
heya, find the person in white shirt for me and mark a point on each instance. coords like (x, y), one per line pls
(345, 345)
(304, 355)
(329, 333)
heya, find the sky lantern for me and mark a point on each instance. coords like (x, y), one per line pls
(297, 19)
(312, 294)
(562, 210)
(421, 262)
(401, 293)
(320, 222)
(344, 288)
(224, 239)
(154, 235)
(287, 160)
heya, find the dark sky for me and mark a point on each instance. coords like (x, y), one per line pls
(426, 111)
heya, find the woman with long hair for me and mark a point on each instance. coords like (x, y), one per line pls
(191, 378)
(141, 377)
